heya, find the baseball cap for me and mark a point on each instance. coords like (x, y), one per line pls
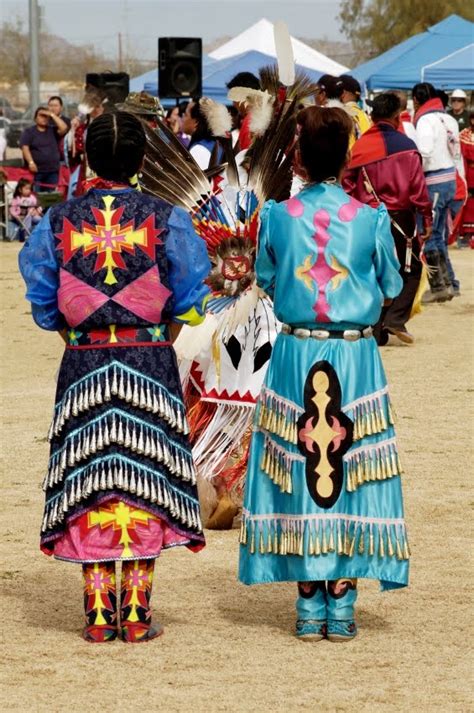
(458, 94)
(350, 84)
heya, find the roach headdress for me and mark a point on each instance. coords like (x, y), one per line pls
(225, 201)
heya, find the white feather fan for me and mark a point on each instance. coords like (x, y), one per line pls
(284, 53)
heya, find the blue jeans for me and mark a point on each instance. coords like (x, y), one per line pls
(441, 194)
(453, 209)
(50, 179)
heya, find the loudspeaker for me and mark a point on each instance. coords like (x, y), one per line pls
(113, 86)
(179, 67)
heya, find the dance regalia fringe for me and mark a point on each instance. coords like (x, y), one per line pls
(119, 430)
(323, 496)
(127, 264)
(223, 383)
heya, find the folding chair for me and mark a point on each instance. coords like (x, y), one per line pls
(47, 200)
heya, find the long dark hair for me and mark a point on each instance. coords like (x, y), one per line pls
(423, 92)
(323, 141)
(115, 146)
(203, 132)
(21, 183)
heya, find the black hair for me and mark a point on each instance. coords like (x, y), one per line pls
(235, 116)
(38, 109)
(181, 107)
(323, 80)
(332, 86)
(323, 141)
(203, 131)
(244, 79)
(423, 92)
(22, 182)
(115, 145)
(385, 106)
(56, 98)
(335, 89)
(443, 96)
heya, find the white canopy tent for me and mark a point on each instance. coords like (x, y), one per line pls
(260, 37)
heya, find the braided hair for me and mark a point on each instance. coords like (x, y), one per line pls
(423, 92)
(115, 146)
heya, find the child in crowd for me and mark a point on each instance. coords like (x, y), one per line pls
(24, 210)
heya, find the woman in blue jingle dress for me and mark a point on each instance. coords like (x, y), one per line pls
(323, 501)
(118, 273)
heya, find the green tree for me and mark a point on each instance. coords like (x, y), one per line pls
(377, 25)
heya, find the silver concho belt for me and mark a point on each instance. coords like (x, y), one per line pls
(350, 335)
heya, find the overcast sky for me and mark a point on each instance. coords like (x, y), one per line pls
(141, 22)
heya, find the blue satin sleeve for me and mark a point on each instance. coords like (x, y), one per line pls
(386, 262)
(188, 267)
(265, 262)
(40, 270)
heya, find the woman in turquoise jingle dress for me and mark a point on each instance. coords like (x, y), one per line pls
(323, 501)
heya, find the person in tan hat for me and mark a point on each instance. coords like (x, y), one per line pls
(458, 108)
(144, 106)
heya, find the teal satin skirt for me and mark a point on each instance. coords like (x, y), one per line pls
(323, 497)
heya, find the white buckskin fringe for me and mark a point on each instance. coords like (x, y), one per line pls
(227, 428)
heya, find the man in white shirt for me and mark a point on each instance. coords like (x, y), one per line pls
(457, 203)
(437, 147)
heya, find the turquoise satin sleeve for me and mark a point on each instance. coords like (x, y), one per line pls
(40, 270)
(188, 267)
(265, 262)
(386, 262)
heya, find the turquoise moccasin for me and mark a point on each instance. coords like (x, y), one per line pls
(338, 630)
(310, 629)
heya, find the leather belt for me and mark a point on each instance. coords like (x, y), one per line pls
(350, 335)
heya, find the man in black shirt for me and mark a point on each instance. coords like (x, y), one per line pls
(40, 147)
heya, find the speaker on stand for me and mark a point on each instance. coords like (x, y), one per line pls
(179, 67)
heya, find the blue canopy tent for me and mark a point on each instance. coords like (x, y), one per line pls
(217, 76)
(364, 72)
(402, 66)
(455, 70)
(137, 84)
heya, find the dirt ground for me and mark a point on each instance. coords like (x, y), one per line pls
(228, 647)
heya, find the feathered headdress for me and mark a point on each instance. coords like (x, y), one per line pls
(224, 213)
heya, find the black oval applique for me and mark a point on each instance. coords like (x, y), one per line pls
(324, 434)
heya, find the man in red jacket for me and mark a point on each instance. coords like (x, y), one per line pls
(386, 168)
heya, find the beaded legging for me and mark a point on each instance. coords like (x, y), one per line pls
(100, 601)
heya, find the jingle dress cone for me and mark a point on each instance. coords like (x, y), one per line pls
(323, 496)
(113, 268)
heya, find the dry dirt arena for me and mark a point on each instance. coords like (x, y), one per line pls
(227, 647)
